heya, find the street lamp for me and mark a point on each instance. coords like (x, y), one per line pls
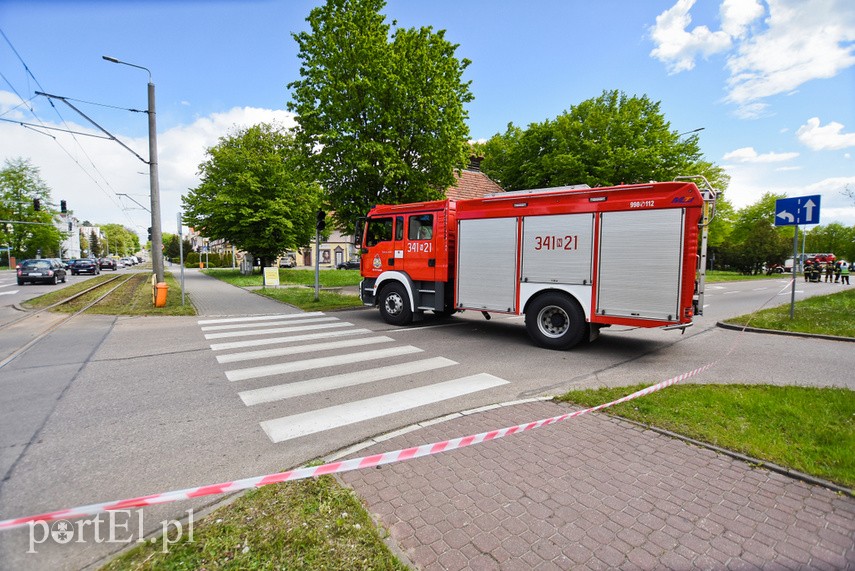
(698, 130)
(156, 234)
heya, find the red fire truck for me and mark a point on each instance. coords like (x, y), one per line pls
(571, 259)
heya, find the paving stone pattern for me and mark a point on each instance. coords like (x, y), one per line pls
(597, 493)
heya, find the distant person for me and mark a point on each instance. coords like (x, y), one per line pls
(829, 271)
(844, 273)
(837, 272)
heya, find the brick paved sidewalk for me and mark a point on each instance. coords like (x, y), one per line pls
(597, 492)
(212, 297)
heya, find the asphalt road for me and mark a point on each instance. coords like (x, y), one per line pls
(110, 408)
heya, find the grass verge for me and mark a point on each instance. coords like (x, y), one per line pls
(819, 315)
(327, 278)
(811, 430)
(305, 525)
(722, 276)
(132, 298)
(302, 297)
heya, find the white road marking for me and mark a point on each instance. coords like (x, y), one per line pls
(311, 327)
(289, 427)
(9, 292)
(289, 339)
(312, 386)
(268, 324)
(300, 349)
(258, 318)
(309, 364)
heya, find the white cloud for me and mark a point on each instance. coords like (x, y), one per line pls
(799, 41)
(830, 137)
(676, 47)
(749, 155)
(90, 172)
(738, 15)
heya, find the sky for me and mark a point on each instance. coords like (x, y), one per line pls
(770, 82)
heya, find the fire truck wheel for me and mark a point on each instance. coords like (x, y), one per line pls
(555, 321)
(395, 305)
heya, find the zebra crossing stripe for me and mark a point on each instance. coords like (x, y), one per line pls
(309, 364)
(258, 318)
(303, 424)
(289, 339)
(267, 324)
(312, 386)
(300, 349)
(295, 329)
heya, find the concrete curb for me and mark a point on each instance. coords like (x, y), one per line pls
(733, 327)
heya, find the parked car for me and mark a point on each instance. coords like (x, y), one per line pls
(287, 262)
(348, 265)
(85, 266)
(45, 271)
(107, 264)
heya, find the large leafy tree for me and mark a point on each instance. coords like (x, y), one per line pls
(255, 193)
(29, 231)
(382, 118)
(120, 240)
(611, 139)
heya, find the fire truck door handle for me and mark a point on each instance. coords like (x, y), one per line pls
(432, 263)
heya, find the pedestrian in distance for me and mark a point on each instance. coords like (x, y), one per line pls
(829, 271)
(837, 272)
(844, 273)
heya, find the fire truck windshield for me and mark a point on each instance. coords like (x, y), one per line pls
(379, 230)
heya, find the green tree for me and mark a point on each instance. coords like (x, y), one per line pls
(120, 240)
(381, 121)
(96, 248)
(833, 238)
(255, 193)
(30, 231)
(608, 140)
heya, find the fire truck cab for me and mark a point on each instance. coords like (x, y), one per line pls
(571, 259)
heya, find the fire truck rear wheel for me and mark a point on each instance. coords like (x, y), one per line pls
(555, 321)
(395, 305)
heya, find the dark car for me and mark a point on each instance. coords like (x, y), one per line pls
(85, 267)
(107, 264)
(348, 265)
(44, 271)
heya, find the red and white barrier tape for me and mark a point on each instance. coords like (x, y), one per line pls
(333, 467)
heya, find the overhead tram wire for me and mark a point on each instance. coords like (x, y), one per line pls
(114, 198)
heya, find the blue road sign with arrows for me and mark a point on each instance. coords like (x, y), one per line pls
(796, 211)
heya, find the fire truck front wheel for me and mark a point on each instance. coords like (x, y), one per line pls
(555, 321)
(395, 305)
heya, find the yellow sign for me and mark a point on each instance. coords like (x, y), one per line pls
(271, 276)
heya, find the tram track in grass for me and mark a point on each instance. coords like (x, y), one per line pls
(73, 305)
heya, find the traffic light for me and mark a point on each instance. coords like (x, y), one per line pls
(62, 207)
(322, 221)
(149, 233)
(37, 204)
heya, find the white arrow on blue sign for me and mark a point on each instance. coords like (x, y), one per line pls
(798, 210)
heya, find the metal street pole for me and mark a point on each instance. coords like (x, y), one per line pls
(156, 234)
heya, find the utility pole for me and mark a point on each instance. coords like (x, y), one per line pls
(156, 233)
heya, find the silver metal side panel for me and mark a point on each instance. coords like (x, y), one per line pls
(487, 264)
(640, 264)
(558, 249)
